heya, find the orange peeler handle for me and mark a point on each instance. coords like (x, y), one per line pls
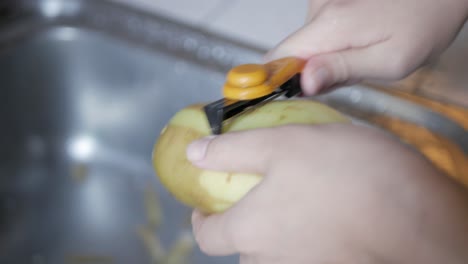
(251, 81)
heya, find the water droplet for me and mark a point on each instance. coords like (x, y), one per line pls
(203, 53)
(190, 44)
(218, 53)
(381, 107)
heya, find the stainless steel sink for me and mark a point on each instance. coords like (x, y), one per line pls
(84, 96)
(86, 86)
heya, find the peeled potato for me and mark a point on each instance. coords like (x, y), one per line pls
(214, 191)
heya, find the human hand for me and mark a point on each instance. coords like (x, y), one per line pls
(332, 194)
(348, 41)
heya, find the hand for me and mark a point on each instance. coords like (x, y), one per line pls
(347, 41)
(332, 194)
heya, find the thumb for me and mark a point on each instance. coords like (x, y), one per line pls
(245, 151)
(334, 58)
(348, 67)
(327, 71)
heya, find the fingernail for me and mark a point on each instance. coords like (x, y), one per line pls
(196, 151)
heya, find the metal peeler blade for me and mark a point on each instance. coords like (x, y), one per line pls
(221, 110)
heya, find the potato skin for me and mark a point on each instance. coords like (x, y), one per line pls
(214, 192)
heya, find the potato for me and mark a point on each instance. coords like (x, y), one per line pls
(214, 191)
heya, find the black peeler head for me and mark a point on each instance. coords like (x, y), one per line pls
(221, 110)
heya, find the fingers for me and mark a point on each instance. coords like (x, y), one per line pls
(335, 26)
(241, 229)
(212, 234)
(248, 152)
(339, 52)
(351, 66)
(322, 36)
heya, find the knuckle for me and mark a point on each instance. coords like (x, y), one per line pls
(235, 229)
(396, 69)
(241, 234)
(204, 240)
(203, 244)
(342, 71)
(398, 66)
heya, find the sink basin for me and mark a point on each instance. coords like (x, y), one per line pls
(81, 108)
(86, 88)
(83, 103)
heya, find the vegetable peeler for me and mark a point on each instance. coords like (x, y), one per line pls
(248, 86)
